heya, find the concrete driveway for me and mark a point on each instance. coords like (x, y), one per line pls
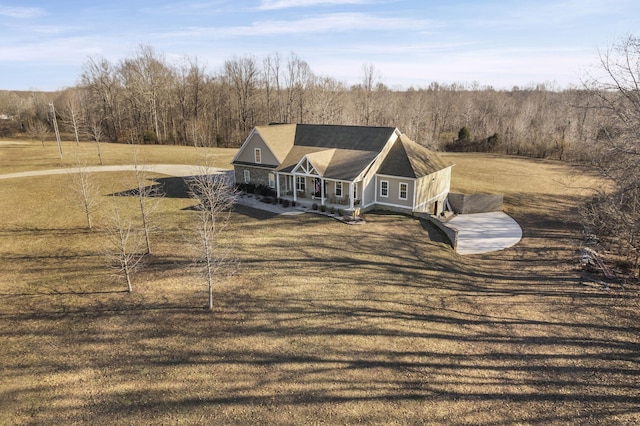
(485, 232)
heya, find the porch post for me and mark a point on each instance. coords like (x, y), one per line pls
(322, 190)
(278, 185)
(351, 197)
(295, 187)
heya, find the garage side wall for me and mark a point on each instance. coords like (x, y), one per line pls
(475, 203)
(431, 192)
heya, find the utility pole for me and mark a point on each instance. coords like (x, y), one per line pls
(55, 128)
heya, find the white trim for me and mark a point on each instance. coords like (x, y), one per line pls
(435, 197)
(406, 191)
(415, 191)
(244, 146)
(382, 182)
(304, 181)
(408, 179)
(255, 166)
(257, 152)
(402, 206)
(352, 198)
(335, 188)
(306, 170)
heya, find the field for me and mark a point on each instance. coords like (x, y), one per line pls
(322, 323)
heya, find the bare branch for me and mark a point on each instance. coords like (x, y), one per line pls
(215, 198)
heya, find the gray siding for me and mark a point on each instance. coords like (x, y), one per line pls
(247, 153)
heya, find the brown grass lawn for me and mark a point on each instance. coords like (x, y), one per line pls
(322, 323)
(24, 155)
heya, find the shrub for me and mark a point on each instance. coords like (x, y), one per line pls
(464, 134)
(265, 191)
(332, 210)
(323, 208)
(340, 212)
(285, 203)
(149, 136)
(314, 206)
(8, 128)
(293, 204)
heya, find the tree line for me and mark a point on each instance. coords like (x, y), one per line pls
(147, 99)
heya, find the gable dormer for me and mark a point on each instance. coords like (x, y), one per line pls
(306, 167)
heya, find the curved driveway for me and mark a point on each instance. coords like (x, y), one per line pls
(164, 169)
(485, 232)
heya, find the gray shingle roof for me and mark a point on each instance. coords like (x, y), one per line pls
(406, 158)
(358, 138)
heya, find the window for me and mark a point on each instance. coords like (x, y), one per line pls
(384, 188)
(300, 183)
(339, 189)
(257, 154)
(247, 176)
(403, 191)
(272, 180)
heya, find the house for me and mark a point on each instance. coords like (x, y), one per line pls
(351, 167)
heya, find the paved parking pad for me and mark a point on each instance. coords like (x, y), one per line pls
(485, 232)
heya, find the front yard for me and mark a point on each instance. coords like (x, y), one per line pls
(322, 323)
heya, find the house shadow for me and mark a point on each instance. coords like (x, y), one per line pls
(178, 187)
(435, 234)
(169, 187)
(253, 213)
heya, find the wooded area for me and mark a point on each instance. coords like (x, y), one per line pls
(146, 99)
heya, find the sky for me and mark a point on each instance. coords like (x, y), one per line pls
(409, 43)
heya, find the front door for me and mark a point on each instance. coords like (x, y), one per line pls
(317, 191)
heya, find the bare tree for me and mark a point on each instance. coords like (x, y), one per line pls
(38, 129)
(365, 98)
(327, 101)
(148, 196)
(241, 75)
(97, 133)
(297, 80)
(86, 191)
(101, 80)
(615, 215)
(72, 112)
(215, 199)
(124, 248)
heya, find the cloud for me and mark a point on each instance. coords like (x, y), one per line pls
(330, 23)
(286, 4)
(21, 12)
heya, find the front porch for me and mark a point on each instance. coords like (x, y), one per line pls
(308, 190)
(307, 203)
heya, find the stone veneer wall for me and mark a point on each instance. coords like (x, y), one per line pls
(259, 176)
